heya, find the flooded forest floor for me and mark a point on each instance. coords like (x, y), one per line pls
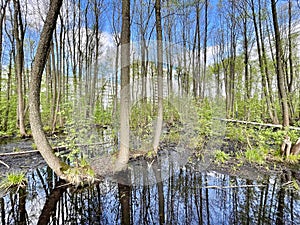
(18, 155)
(178, 186)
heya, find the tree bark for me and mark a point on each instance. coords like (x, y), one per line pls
(19, 64)
(279, 70)
(260, 52)
(123, 157)
(2, 16)
(158, 127)
(35, 87)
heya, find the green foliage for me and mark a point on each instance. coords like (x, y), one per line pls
(204, 111)
(141, 117)
(296, 185)
(236, 133)
(8, 121)
(293, 159)
(173, 136)
(33, 145)
(13, 181)
(221, 157)
(80, 174)
(171, 114)
(255, 156)
(103, 117)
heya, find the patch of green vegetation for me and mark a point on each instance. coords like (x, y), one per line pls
(33, 145)
(16, 149)
(255, 156)
(151, 154)
(173, 136)
(204, 111)
(296, 185)
(221, 157)
(141, 118)
(103, 117)
(13, 181)
(171, 115)
(236, 133)
(293, 159)
(81, 173)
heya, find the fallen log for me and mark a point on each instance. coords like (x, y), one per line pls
(55, 149)
(18, 153)
(255, 123)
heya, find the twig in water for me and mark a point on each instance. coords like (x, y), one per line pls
(4, 164)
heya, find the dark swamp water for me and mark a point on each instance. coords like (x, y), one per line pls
(170, 195)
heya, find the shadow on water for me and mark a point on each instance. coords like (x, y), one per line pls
(184, 197)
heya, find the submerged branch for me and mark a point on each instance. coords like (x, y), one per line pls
(234, 186)
(1, 162)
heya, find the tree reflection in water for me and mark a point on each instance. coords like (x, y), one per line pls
(188, 197)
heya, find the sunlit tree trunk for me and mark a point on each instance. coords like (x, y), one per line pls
(8, 92)
(169, 55)
(116, 30)
(246, 65)
(2, 16)
(145, 16)
(54, 88)
(158, 127)
(35, 87)
(123, 157)
(19, 35)
(97, 12)
(260, 52)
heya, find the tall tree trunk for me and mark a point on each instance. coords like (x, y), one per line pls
(270, 99)
(2, 16)
(246, 67)
(123, 157)
(158, 127)
(8, 94)
(290, 59)
(195, 52)
(19, 61)
(262, 65)
(205, 48)
(35, 88)
(279, 69)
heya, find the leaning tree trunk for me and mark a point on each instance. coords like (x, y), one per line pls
(35, 87)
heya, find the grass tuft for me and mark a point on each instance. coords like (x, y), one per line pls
(13, 181)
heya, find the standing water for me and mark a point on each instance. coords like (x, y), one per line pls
(186, 196)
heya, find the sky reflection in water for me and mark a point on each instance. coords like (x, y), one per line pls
(187, 197)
